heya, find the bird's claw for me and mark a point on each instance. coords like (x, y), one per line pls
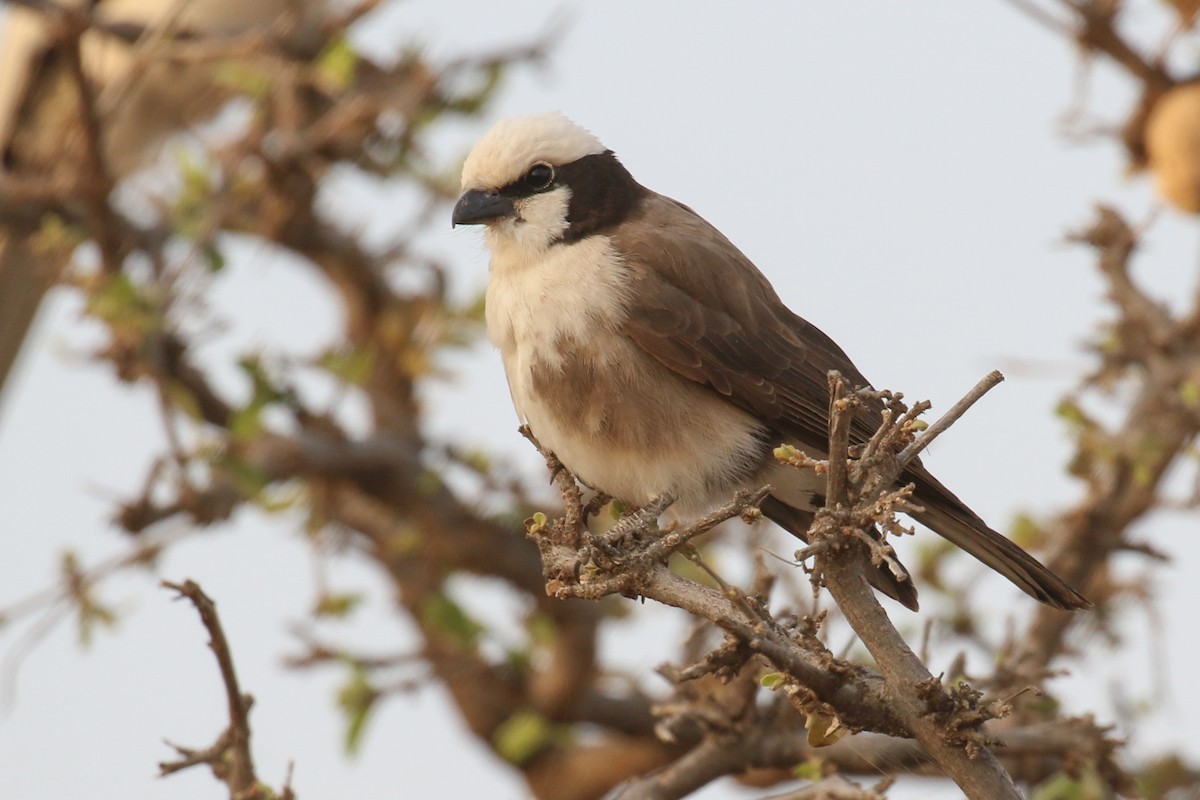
(609, 544)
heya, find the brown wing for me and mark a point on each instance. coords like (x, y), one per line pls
(703, 310)
(706, 312)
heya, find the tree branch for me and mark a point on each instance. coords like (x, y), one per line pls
(1124, 467)
(229, 758)
(946, 729)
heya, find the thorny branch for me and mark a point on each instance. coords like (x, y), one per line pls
(948, 728)
(229, 758)
(1155, 353)
(902, 699)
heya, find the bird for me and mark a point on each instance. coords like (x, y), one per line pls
(655, 360)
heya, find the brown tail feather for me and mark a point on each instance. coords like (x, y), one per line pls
(969, 533)
(950, 518)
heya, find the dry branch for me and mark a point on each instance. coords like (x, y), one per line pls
(903, 699)
(1151, 351)
(229, 758)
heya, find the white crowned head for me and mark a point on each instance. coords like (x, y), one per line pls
(513, 145)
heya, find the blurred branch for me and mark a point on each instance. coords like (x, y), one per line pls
(1092, 25)
(97, 181)
(1097, 32)
(1152, 351)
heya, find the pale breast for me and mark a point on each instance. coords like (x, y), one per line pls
(617, 418)
(534, 299)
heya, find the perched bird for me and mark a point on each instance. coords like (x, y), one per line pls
(653, 358)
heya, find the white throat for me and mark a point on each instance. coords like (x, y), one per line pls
(540, 221)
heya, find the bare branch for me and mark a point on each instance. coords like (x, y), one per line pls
(229, 757)
(947, 730)
(985, 385)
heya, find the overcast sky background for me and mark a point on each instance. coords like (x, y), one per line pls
(895, 169)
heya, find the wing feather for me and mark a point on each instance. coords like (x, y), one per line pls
(703, 310)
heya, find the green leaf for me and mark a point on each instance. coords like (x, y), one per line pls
(521, 736)
(429, 483)
(118, 301)
(1026, 531)
(1043, 704)
(266, 389)
(1148, 459)
(350, 365)
(337, 605)
(520, 661)
(785, 453)
(249, 479)
(214, 259)
(245, 79)
(445, 618)
(91, 613)
(1071, 413)
(337, 66)
(773, 680)
(477, 461)
(542, 629)
(182, 398)
(54, 235)
(1061, 786)
(537, 523)
(405, 541)
(247, 421)
(190, 206)
(356, 699)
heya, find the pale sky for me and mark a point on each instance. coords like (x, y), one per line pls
(896, 169)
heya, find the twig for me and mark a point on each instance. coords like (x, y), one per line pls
(229, 758)
(833, 788)
(985, 385)
(1042, 17)
(914, 695)
(850, 689)
(99, 185)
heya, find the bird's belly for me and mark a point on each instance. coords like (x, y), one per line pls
(620, 420)
(629, 427)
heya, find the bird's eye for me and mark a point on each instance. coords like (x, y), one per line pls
(539, 177)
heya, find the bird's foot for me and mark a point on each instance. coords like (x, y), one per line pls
(610, 542)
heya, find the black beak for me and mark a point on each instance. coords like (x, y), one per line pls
(476, 207)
